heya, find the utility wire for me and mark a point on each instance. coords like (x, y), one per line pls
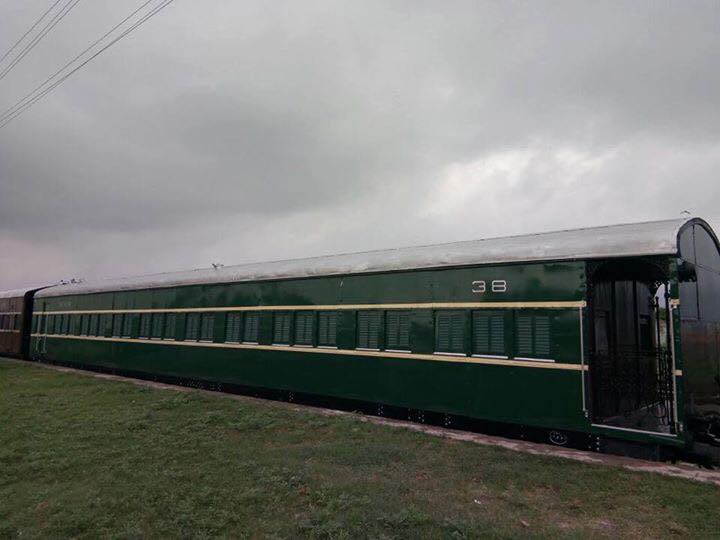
(11, 49)
(59, 16)
(20, 103)
(10, 117)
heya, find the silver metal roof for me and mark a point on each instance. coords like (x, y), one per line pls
(14, 293)
(634, 239)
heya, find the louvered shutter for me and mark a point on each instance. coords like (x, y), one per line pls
(145, 324)
(93, 331)
(127, 325)
(85, 325)
(157, 325)
(105, 324)
(232, 327)
(192, 324)
(207, 327)
(533, 335)
(251, 327)
(304, 328)
(281, 330)
(368, 336)
(327, 328)
(450, 331)
(397, 330)
(170, 326)
(489, 332)
(117, 324)
(524, 335)
(542, 336)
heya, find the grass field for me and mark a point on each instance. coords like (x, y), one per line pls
(86, 457)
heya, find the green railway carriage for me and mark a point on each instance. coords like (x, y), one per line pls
(611, 332)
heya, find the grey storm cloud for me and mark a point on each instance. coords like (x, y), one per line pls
(240, 131)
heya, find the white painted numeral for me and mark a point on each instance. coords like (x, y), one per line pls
(499, 285)
(478, 286)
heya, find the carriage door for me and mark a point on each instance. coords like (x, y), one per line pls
(631, 379)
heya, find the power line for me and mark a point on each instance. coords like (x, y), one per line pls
(20, 103)
(11, 116)
(11, 49)
(59, 16)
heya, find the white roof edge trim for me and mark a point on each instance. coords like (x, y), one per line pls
(624, 240)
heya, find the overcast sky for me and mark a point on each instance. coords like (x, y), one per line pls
(237, 131)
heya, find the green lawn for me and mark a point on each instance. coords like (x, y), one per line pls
(86, 457)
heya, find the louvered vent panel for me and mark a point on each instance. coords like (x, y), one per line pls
(232, 327)
(117, 324)
(497, 334)
(94, 324)
(192, 327)
(327, 328)
(85, 326)
(304, 328)
(250, 328)
(127, 325)
(369, 329)
(542, 336)
(145, 322)
(281, 328)
(481, 333)
(157, 325)
(450, 331)
(524, 335)
(397, 330)
(207, 327)
(442, 330)
(105, 324)
(170, 326)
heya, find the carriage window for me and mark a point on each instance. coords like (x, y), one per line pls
(281, 328)
(532, 335)
(17, 322)
(170, 326)
(65, 324)
(84, 324)
(207, 326)
(251, 327)
(158, 322)
(192, 326)
(450, 332)
(233, 325)
(127, 325)
(145, 325)
(327, 328)
(369, 324)
(304, 327)
(488, 332)
(117, 324)
(105, 324)
(93, 331)
(397, 330)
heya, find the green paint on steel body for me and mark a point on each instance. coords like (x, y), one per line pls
(542, 397)
(525, 283)
(527, 395)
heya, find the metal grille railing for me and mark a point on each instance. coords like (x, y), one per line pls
(629, 383)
